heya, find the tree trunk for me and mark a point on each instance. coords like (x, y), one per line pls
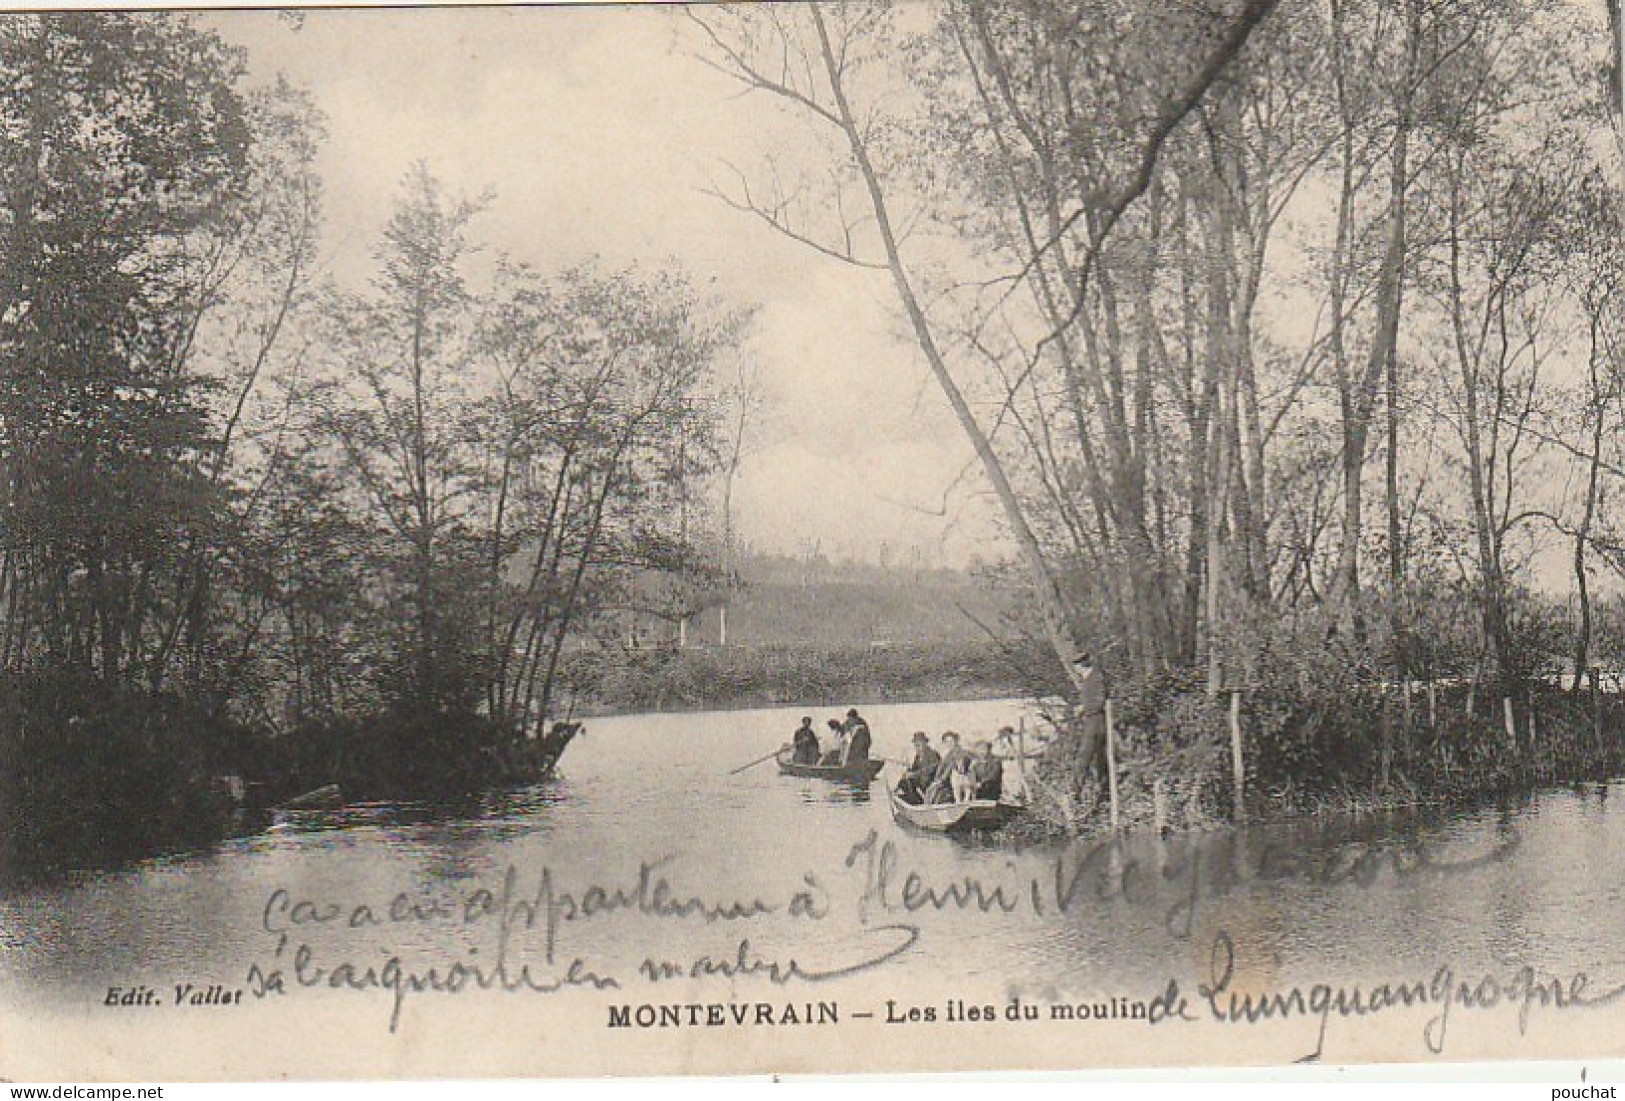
(1047, 593)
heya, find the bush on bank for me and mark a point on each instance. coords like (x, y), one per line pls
(1322, 729)
(393, 755)
(94, 774)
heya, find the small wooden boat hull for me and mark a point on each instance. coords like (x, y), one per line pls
(858, 772)
(977, 814)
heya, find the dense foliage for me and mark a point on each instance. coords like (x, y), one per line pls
(1288, 335)
(358, 524)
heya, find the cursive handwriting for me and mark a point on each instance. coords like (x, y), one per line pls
(509, 911)
(401, 980)
(1103, 872)
(893, 940)
(1443, 992)
(649, 894)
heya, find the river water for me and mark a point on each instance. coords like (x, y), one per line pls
(647, 800)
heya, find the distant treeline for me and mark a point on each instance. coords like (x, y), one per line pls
(665, 679)
(783, 602)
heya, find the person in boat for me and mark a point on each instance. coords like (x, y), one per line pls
(921, 771)
(836, 753)
(805, 743)
(858, 738)
(954, 759)
(985, 773)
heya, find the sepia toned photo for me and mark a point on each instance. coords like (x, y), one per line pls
(811, 538)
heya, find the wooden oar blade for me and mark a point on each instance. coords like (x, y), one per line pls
(757, 761)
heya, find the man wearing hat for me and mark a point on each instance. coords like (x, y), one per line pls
(922, 769)
(986, 772)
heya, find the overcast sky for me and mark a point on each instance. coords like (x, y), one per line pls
(598, 131)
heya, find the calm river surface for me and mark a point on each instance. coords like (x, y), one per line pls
(1536, 883)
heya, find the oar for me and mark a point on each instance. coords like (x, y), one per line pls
(757, 761)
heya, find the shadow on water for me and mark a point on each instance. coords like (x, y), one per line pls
(835, 794)
(499, 815)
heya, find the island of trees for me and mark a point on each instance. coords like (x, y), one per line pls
(1287, 334)
(258, 524)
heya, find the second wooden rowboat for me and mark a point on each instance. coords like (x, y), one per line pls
(855, 772)
(976, 814)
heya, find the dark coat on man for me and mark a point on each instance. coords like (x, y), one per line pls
(923, 768)
(857, 746)
(941, 789)
(806, 746)
(987, 776)
(921, 771)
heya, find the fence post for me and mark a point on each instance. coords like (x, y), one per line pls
(1237, 764)
(1111, 763)
(1021, 759)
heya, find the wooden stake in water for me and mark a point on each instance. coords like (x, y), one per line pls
(1111, 764)
(1433, 704)
(1021, 758)
(1511, 723)
(1159, 805)
(1237, 764)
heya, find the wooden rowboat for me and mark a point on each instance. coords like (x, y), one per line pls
(977, 814)
(854, 772)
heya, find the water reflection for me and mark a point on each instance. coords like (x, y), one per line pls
(816, 792)
(1375, 895)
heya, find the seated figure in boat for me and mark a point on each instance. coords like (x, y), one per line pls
(836, 753)
(806, 743)
(858, 738)
(986, 773)
(921, 771)
(954, 762)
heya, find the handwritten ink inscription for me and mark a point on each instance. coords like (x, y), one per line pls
(532, 931)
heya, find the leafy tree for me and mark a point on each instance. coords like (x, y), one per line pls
(126, 142)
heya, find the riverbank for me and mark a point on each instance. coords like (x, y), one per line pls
(95, 774)
(1371, 750)
(117, 775)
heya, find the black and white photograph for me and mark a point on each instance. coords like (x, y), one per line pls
(869, 536)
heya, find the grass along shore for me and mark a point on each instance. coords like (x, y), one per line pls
(1176, 752)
